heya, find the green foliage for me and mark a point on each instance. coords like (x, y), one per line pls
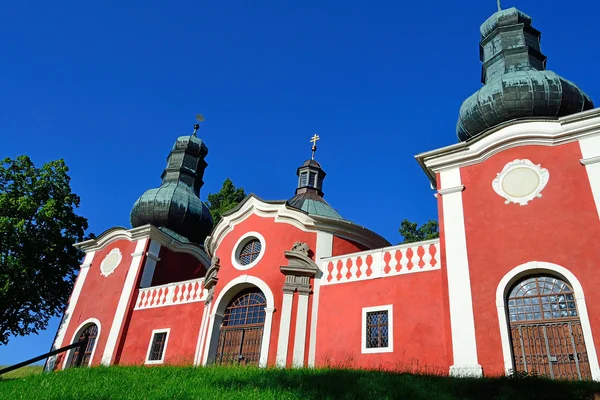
(413, 233)
(38, 227)
(22, 372)
(226, 199)
(128, 383)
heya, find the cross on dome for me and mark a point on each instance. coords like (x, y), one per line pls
(313, 140)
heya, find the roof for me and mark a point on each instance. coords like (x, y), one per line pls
(313, 204)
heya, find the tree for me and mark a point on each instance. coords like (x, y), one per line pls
(226, 199)
(38, 227)
(411, 233)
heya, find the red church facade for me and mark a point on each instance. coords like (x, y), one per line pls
(508, 286)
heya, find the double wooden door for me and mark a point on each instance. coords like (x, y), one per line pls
(241, 333)
(546, 333)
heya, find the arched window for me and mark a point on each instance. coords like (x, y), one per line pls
(547, 338)
(242, 328)
(92, 331)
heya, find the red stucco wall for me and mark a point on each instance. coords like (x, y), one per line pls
(561, 227)
(176, 267)
(183, 320)
(343, 246)
(100, 295)
(419, 339)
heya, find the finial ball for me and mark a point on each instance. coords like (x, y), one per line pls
(196, 126)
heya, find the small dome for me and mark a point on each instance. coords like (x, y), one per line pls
(516, 83)
(311, 203)
(175, 205)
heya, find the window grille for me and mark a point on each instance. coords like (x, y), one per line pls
(92, 331)
(250, 251)
(541, 298)
(377, 329)
(158, 346)
(303, 178)
(311, 179)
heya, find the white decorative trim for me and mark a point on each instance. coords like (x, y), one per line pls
(289, 215)
(77, 333)
(162, 359)
(451, 190)
(520, 133)
(324, 248)
(146, 231)
(227, 293)
(300, 334)
(462, 321)
(237, 249)
(590, 150)
(171, 294)
(389, 308)
(542, 174)
(202, 334)
(284, 330)
(535, 267)
(150, 264)
(381, 263)
(106, 271)
(122, 306)
(62, 329)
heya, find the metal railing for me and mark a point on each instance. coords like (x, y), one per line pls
(82, 344)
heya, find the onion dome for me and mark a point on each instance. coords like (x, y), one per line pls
(175, 206)
(516, 82)
(309, 193)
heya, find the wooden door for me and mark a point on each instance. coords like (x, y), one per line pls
(546, 333)
(241, 332)
(92, 331)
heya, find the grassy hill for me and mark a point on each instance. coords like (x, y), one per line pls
(252, 383)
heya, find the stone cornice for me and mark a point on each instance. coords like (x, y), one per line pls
(514, 134)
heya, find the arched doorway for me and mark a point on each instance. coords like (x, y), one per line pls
(546, 333)
(74, 361)
(240, 336)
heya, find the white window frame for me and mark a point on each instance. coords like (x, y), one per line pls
(363, 344)
(162, 359)
(237, 249)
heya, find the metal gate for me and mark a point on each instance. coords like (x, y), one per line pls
(546, 333)
(240, 338)
(76, 360)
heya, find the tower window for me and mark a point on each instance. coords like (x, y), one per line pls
(311, 179)
(303, 179)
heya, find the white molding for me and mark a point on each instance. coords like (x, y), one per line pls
(462, 321)
(520, 133)
(150, 264)
(324, 248)
(171, 294)
(291, 216)
(237, 249)
(164, 352)
(300, 333)
(145, 231)
(232, 288)
(389, 308)
(62, 329)
(535, 267)
(590, 150)
(202, 334)
(542, 174)
(128, 287)
(284, 329)
(77, 333)
(116, 251)
(451, 190)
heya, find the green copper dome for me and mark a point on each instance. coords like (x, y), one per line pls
(175, 206)
(516, 82)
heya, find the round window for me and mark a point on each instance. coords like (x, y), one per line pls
(248, 250)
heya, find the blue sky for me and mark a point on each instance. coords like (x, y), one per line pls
(109, 87)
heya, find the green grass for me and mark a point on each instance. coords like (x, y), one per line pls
(252, 383)
(22, 372)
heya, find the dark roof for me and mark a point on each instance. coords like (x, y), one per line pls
(313, 204)
(311, 163)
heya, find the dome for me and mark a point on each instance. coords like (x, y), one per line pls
(176, 205)
(516, 83)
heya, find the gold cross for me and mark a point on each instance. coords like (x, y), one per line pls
(314, 139)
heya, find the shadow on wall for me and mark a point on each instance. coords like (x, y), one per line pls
(400, 365)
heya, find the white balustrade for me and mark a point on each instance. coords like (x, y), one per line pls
(171, 294)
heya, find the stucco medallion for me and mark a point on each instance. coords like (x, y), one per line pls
(521, 181)
(110, 262)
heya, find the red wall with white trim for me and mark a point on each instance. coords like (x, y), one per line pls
(561, 227)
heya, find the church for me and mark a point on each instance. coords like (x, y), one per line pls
(507, 288)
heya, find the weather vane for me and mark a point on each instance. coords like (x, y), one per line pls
(313, 140)
(199, 118)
